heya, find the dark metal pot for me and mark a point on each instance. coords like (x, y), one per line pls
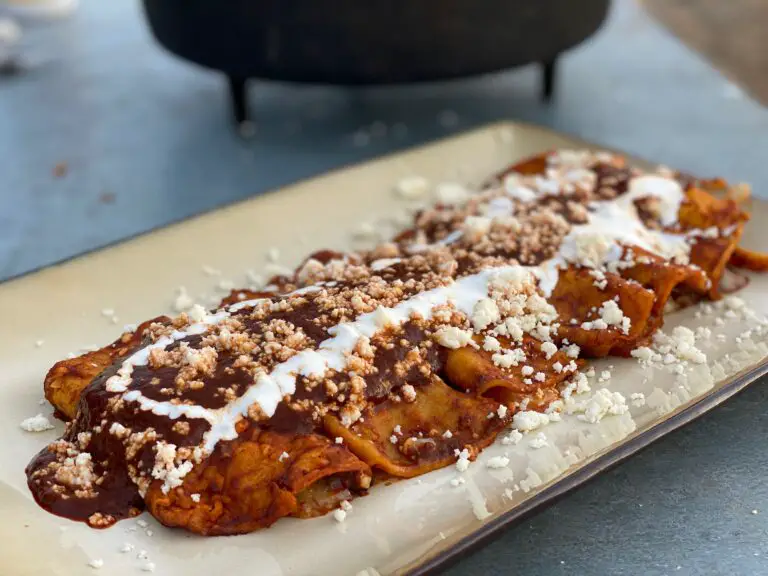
(352, 42)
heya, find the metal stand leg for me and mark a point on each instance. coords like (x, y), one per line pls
(548, 74)
(237, 93)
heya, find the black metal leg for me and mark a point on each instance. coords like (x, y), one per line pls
(237, 93)
(548, 74)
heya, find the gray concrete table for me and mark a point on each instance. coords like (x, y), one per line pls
(147, 140)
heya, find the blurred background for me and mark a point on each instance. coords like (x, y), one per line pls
(101, 124)
(120, 116)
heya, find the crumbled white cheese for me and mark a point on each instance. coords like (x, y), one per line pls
(603, 403)
(283, 457)
(127, 547)
(485, 313)
(512, 438)
(195, 497)
(367, 231)
(734, 303)
(527, 370)
(549, 349)
(339, 440)
(38, 423)
(148, 567)
(197, 313)
(450, 193)
(613, 315)
(339, 515)
(96, 563)
(539, 441)
(497, 462)
(680, 345)
(412, 187)
(703, 333)
(501, 411)
(453, 337)
(601, 282)
(462, 462)
(508, 358)
(644, 354)
(183, 300)
(591, 249)
(527, 420)
(598, 324)
(476, 227)
(447, 434)
(491, 344)
(408, 392)
(165, 467)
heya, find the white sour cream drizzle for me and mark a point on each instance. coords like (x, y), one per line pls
(616, 221)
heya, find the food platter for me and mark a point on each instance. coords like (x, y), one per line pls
(412, 526)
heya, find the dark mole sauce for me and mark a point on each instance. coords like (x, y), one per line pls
(117, 496)
(384, 380)
(609, 176)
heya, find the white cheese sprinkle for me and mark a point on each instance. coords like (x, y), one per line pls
(38, 423)
(549, 349)
(603, 403)
(528, 420)
(183, 300)
(412, 187)
(453, 337)
(512, 438)
(497, 462)
(539, 441)
(462, 462)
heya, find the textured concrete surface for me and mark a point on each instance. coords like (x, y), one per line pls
(729, 34)
(146, 141)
